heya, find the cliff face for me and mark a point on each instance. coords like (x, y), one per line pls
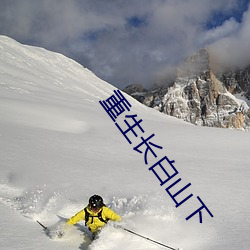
(237, 81)
(201, 97)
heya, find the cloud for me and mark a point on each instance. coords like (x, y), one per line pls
(233, 48)
(121, 41)
(228, 28)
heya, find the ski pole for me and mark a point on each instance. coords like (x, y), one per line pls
(45, 228)
(148, 239)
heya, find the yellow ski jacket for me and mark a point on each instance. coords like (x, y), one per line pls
(94, 223)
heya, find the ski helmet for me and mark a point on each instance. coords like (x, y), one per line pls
(96, 202)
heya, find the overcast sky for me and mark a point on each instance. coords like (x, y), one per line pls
(131, 41)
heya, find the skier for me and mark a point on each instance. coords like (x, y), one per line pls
(95, 214)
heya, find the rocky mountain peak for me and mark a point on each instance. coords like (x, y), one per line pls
(200, 96)
(196, 64)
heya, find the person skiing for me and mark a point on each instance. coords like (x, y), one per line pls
(95, 214)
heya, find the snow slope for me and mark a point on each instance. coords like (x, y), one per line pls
(59, 146)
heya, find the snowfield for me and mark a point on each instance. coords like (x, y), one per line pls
(59, 147)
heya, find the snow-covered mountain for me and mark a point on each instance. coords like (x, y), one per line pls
(201, 95)
(59, 146)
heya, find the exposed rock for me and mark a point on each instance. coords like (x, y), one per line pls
(137, 91)
(237, 81)
(201, 97)
(134, 88)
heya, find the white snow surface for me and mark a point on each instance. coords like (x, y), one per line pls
(59, 147)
